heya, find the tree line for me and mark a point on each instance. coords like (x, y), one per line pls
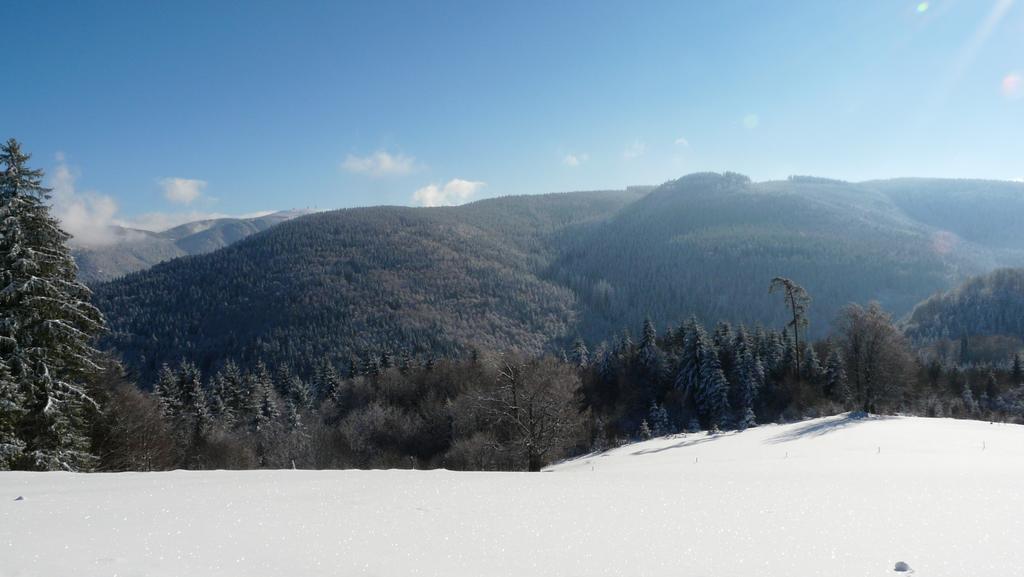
(66, 406)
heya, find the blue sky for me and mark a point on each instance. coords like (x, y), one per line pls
(147, 112)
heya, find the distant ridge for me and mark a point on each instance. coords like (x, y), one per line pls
(135, 250)
(535, 272)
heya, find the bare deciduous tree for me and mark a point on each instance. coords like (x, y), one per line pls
(878, 359)
(535, 401)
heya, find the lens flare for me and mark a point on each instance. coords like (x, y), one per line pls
(922, 7)
(1013, 85)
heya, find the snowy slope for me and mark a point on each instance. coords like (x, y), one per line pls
(836, 496)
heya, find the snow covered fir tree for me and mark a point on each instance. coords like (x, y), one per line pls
(47, 325)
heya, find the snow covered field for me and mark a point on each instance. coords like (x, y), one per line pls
(836, 496)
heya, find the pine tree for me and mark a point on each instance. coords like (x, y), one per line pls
(645, 430)
(234, 393)
(217, 400)
(812, 367)
(713, 390)
(968, 398)
(192, 422)
(606, 369)
(657, 418)
(262, 397)
(46, 322)
(991, 392)
(751, 377)
(836, 385)
(297, 400)
(11, 411)
(1017, 372)
(166, 392)
(580, 354)
(773, 352)
(650, 355)
(626, 348)
(327, 384)
(789, 355)
(282, 379)
(965, 350)
(353, 368)
(267, 414)
(695, 340)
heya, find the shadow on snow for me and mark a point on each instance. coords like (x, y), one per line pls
(824, 427)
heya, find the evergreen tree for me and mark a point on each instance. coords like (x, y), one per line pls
(645, 430)
(991, 391)
(773, 352)
(262, 397)
(836, 385)
(789, 356)
(46, 322)
(695, 341)
(1017, 372)
(751, 379)
(626, 348)
(216, 398)
(967, 395)
(11, 411)
(606, 369)
(650, 355)
(657, 418)
(192, 421)
(580, 354)
(812, 367)
(234, 392)
(166, 391)
(297, 400)
(327, 384)
(713, 390)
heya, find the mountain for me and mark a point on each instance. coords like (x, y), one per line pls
(985, 212)
(982, 320)
(836, 496)
(134, 249)
(534, 272)
(434, 280)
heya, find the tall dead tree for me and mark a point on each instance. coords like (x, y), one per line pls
(797, 300)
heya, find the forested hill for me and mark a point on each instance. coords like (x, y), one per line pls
(981, 320)
(433, 281)
(532, 272)
(132, 250)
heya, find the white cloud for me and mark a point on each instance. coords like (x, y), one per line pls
(1018, 179)
(88, 215)
(635, 149)
(456, 191)
(575, 159)
(681, 141)
(92, 218)
(379, 163)
(182, 190)
(160, 221)
(751, 121)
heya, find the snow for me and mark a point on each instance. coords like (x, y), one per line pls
(836, 496)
